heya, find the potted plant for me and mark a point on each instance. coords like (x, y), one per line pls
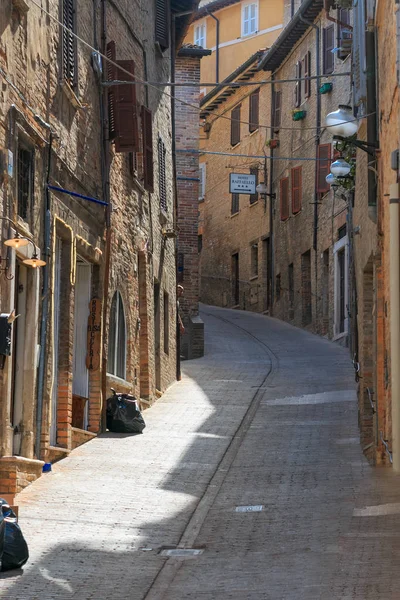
(298, 114)
(272, 143)
(326, 87)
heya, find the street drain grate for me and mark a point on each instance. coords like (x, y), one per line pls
(246, 509)
(181, 552)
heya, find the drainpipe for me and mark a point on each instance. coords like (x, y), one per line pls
(394, 254)
(317, 141)
(105, 176)
(216, 45)
(271, 256)
(372, 134)
(45, 305)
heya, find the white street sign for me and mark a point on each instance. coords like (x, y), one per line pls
(242, 183)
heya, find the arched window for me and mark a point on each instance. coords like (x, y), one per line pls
(116, 362)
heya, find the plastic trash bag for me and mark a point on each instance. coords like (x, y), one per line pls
(2, 531)
(123, 414)
(15, 550)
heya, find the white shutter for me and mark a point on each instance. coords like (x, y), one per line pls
(246, 20)
(253, 18)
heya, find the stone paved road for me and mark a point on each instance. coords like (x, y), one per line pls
(268, 417)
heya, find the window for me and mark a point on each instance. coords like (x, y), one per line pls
(147, 134)
(344, 33)
(200, 35)
(277, 109)
(297, 191)
(278, 287)
(328, 46)
(254, 106)
(284, 197)
(166, 323)
(162, 24)
(122, 105)
(116, 362)
(254, 197)
(307, 73)
(341, 274)
(235, 204)
(342, 232)
(199, 243)
(249, 18)
(324, 161)
(69, 43)
(235, 126)
(202, 183)
(297, 86)
(254, 260)
(25, 173)
(162, 179)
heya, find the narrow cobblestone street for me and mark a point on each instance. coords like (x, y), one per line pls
(268, 418)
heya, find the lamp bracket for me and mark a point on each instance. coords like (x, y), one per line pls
(368, 147)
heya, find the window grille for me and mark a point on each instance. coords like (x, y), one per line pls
(69, 42)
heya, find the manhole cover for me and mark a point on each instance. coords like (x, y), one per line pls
(182, 552)
(245, 509)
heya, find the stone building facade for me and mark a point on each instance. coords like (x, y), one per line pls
(87, 177)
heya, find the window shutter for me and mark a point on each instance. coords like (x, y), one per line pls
(147, 130)
(254, 197)
(358, 54)
(277, 109)
(324, 162)
(235, 126)
(329, 44)
(284, 197)
(246, 20)
(126, 118)
(235, 204)
(69, 42)
(254, 105)
(297, 191)
(307, 73)
(162, 23)
(345, 34)
(111, 76)
(162, 179)
(297, 89)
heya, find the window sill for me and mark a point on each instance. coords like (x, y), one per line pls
(234, 214)
(236, 145)
(253, 203)
(253, 278)
(245, 36)
(21, 5)
(70, 94)
(255, 131)
(340, 336)
(122, 383)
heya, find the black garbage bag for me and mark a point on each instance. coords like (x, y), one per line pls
(123, 414)
(2, 531)
(15, 551)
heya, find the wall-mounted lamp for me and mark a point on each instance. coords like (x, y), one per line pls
(263, 190)
(344, 126)
(19, 242)
(340, 168)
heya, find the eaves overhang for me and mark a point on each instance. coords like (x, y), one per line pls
(222, 92)
(212, 6)
(296, 28)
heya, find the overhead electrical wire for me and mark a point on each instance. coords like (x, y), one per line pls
(156, 85)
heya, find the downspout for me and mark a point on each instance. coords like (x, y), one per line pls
(317, 142)
(175, 208)
(271, 256)
(372, 135)
(216, 45)
(394, 253)
(45, 305)
(105, 176)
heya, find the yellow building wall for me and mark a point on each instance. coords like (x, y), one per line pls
(238, 48)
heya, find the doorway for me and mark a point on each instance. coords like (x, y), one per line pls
(21, 282)
(80, 382)
(235, 278)
(157, 336)
(56, 339)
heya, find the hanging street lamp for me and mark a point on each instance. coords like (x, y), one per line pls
(344, 127)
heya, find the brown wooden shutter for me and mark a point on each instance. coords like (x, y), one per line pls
(235, 126)
(297, 191)
(284, 197)
(328, 45)
(147, 130)
(324, 163)
(162, 23)
(162, 179)
(126, 118)
(111, 76)
(69, 45)
(254, 197)
(254, 106)
(277, 109)
(297, 89)
(307, 73)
